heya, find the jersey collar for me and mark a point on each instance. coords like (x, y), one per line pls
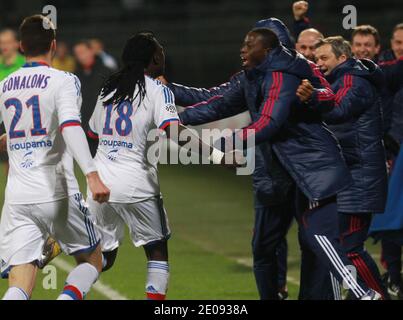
(35, 64)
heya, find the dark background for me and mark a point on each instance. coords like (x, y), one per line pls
(202, 38)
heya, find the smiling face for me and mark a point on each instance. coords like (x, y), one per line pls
(327, 60)
(253, 51)
(364, 46)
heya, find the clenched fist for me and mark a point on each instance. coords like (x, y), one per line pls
(299, 9)
(305, 90)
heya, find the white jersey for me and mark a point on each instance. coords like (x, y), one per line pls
(36, 103)
(122, 130)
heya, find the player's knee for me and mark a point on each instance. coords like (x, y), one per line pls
(94, 258)
(108, 259)
(157, 250)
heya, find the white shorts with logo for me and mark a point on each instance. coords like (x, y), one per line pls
(147, 221)
(24, 229)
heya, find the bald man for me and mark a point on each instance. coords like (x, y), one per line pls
(306, 42)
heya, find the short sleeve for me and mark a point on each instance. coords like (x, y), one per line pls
(164, 108)
(68, 102)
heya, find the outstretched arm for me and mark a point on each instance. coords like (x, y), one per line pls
(231, 103)
(188, 96)
(278, 99)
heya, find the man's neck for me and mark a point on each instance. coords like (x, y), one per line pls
(43, 58)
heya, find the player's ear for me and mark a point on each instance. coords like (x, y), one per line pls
(21, 47)
(155, 59)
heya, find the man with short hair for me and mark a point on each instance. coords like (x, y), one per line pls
(357, 123)
(41, 113)
(365, 42)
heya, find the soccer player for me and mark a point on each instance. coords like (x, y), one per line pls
(40, 107)
(130, 106)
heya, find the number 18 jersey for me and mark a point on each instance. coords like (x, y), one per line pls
(125, 158)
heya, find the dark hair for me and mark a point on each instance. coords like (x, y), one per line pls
(339, 46)
(36, 33)
(366, 30)
(270, 39)
(136, 57)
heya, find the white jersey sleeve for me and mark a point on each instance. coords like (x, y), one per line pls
(164, 108)
(68, 102)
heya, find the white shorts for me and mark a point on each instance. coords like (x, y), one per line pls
(24, 229)
(147, 221)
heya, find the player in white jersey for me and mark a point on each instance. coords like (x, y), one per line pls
(40, 108)
(132, 104)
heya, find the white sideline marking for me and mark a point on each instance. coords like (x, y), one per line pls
(247, 262)
(99, 286)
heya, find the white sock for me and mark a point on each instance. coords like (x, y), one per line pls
(79, 282)
(15, 293)
(157, 280)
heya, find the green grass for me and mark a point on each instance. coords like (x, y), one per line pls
(211, 216)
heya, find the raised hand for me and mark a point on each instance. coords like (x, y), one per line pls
(300, 9)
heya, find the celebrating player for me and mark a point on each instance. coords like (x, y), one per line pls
(41, 113)
(131, 104)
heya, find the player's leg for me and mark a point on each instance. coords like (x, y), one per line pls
(392, 262)
(51, 250)
(110, 227)
(271, 226)
(157, 270)
(353, 233)
(320, 223)
(148, 224)
(80, 280)
(74, 229)
(282, 255)
(21, 282)
(316, 282)
(108, 259)
(21, 242)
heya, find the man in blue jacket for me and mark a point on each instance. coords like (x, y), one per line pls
(301, 144)
(356, 121)
(272, 197)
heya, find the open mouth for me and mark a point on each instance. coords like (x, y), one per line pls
(244, 61)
